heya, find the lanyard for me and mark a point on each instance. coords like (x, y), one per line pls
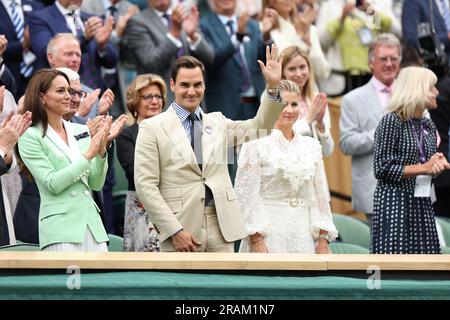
(420, 142)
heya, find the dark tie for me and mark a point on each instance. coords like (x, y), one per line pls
(78, 29)
(196, 137)
(196, 144)
(4, 234)
(245, 74)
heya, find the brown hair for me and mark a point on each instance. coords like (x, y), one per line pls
(141, 82)
(40, 83)
(187, 62)
(307, 92)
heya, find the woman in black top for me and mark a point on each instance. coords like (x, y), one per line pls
(405, 160)
(146, 97)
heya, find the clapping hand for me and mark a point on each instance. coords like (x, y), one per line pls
(317, 109)
(106, 101)
(105, 129)
(117, 127)
(272, 69)
(436, 164)
(11, 128)
(191, 22)
(87, 103)
(269, 21)
(94, 125)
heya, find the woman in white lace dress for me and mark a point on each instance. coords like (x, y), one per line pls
(281, 188)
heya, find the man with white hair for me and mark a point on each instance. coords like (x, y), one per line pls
(63, 51)
(361, 111)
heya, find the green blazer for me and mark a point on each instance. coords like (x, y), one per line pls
(65, 180)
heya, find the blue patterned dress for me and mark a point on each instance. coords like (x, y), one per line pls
(402, 223)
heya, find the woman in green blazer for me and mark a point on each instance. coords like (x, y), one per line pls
(67, 164)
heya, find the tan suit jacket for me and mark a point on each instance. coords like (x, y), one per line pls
(171, 185)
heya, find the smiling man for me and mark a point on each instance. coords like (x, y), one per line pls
(181, 172)
(362, 110)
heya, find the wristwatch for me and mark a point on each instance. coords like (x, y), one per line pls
(274, 92)
(325, 236)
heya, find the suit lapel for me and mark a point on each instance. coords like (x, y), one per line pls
(177, 135)
(7, 21)
(71, 151)
(209, 133)
(217, 24)
(59, 22)
(155, 21)
(375, 106)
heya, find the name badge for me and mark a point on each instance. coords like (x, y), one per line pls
(365, 36)
(423, 187)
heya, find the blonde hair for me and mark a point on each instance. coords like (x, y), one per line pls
(289, 86)
(307, 92)
(411, 90)
(141, 82)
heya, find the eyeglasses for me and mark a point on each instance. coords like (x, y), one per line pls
(149, 97)
(81, 94)
(386, 59)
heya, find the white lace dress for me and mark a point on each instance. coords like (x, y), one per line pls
(281, 189)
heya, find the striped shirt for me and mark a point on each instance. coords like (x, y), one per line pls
(183, 114)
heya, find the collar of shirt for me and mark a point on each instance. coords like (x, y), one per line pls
(161, 14)
(107, 4)
(225, 19)
(378, 85)
(7, 4)
(183, 113)
(65, 11)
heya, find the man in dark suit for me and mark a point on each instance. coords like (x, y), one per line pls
(234, 82)
(10, 131)
(19, 57)
(157, 36)
(65, 17)
(418, 11)
(6, 77)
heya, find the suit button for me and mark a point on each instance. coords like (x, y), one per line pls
(73, 193)
(86, 193)
(204, 179)
(202, 199)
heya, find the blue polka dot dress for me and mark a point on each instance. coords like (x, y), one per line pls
(402, 223)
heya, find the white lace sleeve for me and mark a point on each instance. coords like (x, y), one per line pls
(322, 219)
(247, 187)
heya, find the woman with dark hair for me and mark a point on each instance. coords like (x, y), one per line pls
(67, 164)
(146, 97)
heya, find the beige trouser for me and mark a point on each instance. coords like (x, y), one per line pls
(211, 236)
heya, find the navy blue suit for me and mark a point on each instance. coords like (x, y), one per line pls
(13, 54)
(48, 22)
(223, 76)
(416, 12)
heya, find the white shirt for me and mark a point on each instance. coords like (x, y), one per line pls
(69, 19)
(7, 5)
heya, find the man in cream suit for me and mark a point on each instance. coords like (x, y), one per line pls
(182, 178)
(361, 111)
